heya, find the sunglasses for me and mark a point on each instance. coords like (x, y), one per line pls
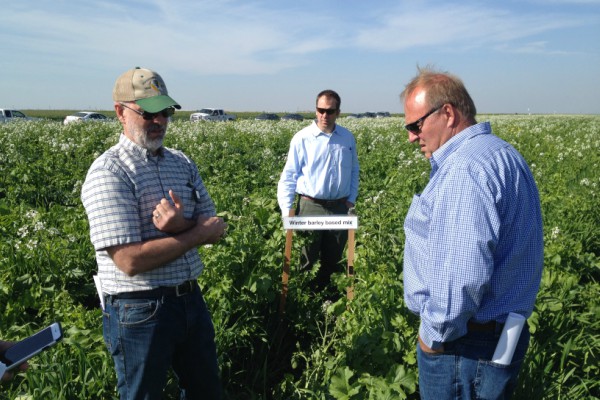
(415, 127)
(166, 113)
(328, 111)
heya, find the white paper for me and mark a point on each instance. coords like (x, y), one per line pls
(99, 289)
(509, 338)
(318, 222)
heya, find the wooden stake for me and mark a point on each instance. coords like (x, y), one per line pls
(350, 271)
(287, 255)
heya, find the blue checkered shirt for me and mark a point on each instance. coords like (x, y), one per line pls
(122, 188)
(474, 241)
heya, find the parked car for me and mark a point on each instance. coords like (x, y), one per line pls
(84, 116)
(211, 114)
(382, 114)
(293, 117)
(267, 117)
(7, 115)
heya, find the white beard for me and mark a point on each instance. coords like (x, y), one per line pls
(141, 138)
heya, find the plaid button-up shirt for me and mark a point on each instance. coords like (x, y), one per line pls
(122, 188)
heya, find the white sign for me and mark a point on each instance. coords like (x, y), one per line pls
(99, 289)
(333, 222)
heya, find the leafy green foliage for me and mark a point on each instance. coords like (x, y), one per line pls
(363, 349)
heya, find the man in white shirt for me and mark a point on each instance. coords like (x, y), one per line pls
(322, 169)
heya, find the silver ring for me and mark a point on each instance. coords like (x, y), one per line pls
(157, 215)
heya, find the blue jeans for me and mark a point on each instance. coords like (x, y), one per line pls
(464, 369)
(146, 337)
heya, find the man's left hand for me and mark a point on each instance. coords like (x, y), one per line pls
(169, 218)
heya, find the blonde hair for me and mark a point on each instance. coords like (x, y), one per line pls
(442, 88)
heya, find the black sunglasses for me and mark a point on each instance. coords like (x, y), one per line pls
(415, 127)
(166, 113)
(328, 111)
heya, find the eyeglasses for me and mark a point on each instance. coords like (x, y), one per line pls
(415, 127)
(328, 111)
(166, 113)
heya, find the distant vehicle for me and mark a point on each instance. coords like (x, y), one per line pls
(368, 115)
(211, 114)
(267, 117)
(352, 116)
(13, 115)
(293, 117)
(382, 114)
(84, 116)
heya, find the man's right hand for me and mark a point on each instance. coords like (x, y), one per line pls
(428, 349)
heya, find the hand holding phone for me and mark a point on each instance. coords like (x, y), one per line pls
(22, 351)
(4, 345)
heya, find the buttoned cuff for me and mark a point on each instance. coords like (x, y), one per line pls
(434, 345)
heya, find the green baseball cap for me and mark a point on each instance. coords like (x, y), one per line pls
(144, 87)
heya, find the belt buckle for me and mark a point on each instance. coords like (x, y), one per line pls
(183, 289)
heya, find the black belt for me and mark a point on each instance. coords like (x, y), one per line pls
(325, 203)
(491, 326)
(176, 291)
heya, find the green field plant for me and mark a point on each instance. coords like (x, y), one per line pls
(363, 349)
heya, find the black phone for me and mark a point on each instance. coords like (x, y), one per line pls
(22, 351)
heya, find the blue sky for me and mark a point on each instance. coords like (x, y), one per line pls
(537, 56)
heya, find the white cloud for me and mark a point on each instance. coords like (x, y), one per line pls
(206, 37)
(455, 27)
(239, 37)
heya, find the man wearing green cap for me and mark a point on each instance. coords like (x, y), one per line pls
(149, 211)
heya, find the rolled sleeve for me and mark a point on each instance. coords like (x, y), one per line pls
(112, 209)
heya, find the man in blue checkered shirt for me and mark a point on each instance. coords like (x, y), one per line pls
(149, 211)
(474, 244)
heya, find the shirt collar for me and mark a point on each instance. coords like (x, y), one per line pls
(447, 149)
(138, 150)
(316, 131)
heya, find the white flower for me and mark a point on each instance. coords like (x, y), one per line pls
(31, 214)
(39, 226)
(23, 231)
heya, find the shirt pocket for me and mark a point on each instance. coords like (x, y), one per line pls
(418, 217)
(343, 156)
(185, 191)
